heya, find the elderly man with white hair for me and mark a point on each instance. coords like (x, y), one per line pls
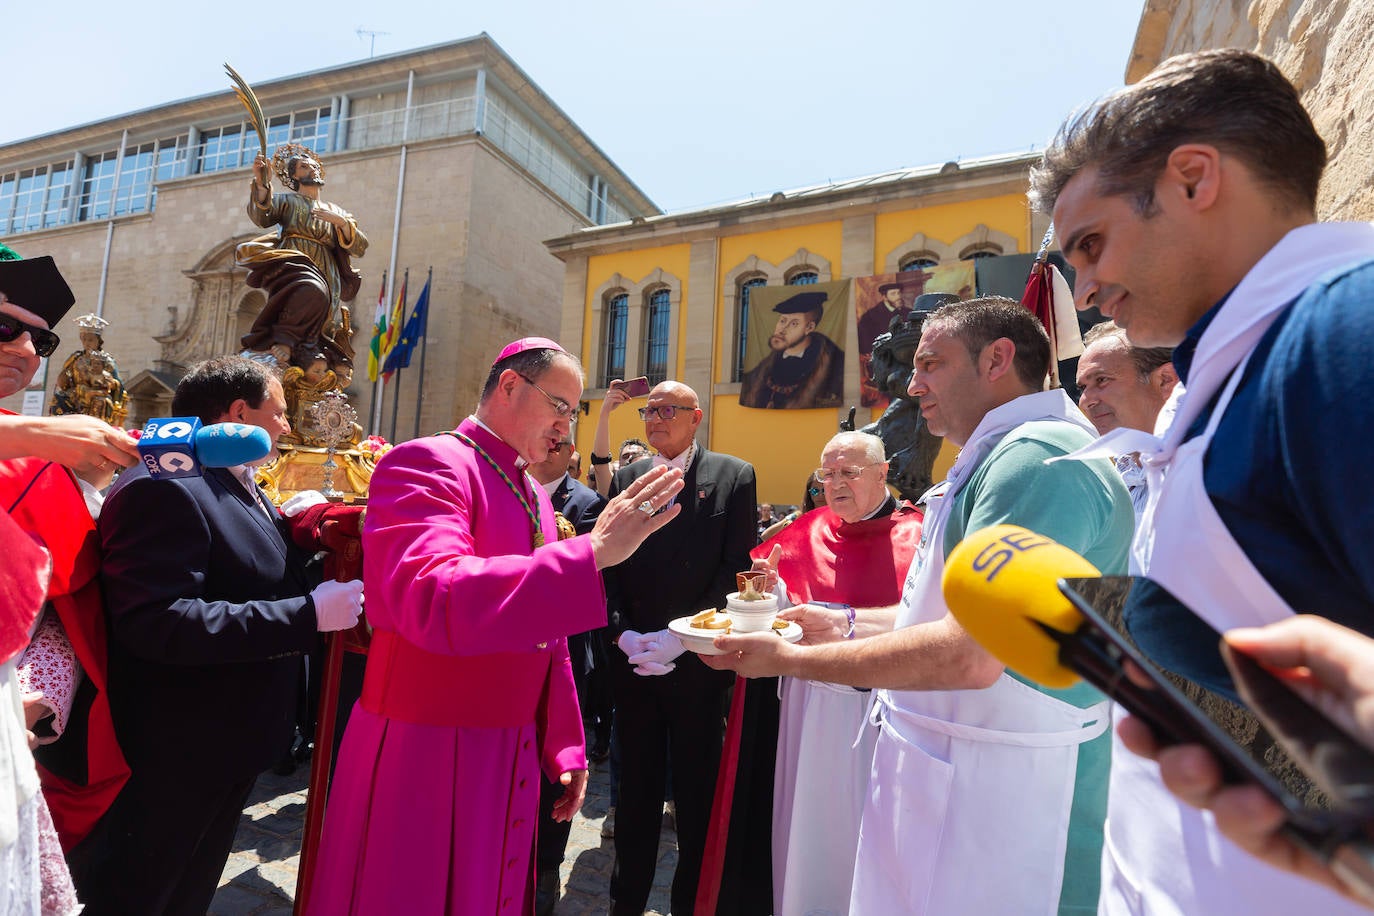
(855, 550)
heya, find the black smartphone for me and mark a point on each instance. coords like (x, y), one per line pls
(1322, 776)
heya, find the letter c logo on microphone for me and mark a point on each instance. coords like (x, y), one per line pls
(174, 462)
(176, 429)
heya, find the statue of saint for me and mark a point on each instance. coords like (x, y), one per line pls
(305, 267)
(89, 382)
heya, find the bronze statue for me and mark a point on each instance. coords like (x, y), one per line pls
(89, 382)
(911, 447)
(305, 267)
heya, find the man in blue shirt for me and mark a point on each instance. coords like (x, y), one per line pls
(1187, 205)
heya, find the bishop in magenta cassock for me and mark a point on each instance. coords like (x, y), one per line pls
(468, 691)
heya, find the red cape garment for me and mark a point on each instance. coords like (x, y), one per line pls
(46, 502)
(823, 559)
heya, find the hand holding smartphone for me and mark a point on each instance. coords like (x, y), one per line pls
(633, 388)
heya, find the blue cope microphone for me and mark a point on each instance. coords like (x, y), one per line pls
(172, 447)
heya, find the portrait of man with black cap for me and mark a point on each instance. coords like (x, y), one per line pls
(803, 367)
(878, 319)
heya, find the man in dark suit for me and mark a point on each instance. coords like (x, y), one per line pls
(684, 568)
(209, 609)
(579, 504)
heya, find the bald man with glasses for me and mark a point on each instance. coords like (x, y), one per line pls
(668, 703)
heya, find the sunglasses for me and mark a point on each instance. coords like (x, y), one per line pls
(666, 412)
(814, 491)
(44, 341)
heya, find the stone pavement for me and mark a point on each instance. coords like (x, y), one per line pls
(260, 877)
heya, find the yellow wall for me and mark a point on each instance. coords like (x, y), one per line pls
(783, 445)
(634, 266)
(947, 222)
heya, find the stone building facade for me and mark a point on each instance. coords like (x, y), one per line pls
(449, 157)
(1321, 45)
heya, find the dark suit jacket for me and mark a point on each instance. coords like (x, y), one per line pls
(208, 612)
(689, 564)
(579, 503)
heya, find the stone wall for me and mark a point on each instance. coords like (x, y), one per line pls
(1324, 48)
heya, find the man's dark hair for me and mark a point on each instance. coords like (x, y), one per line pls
(210, 387)
(978, 322)
(1233, 100)
(532, 364)
(1146, 359)
(638, 443)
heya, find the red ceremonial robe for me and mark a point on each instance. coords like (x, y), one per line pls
(823, 559)
(46, 501)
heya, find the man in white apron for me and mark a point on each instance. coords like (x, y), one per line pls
(986, 793)
(1187, 205)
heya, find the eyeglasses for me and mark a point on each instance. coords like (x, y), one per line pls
(666, 412)
(44, 341)
(826, 475)
(560, 406)
(630, 458)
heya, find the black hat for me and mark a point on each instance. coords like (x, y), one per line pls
(887, 286)
(801, 302)
(36, 284)
(929, 302)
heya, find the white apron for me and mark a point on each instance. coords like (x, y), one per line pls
(819, 789)
(1162, 857)
(971, 790)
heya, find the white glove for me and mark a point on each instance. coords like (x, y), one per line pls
(337, 604)
(656, 653)
(629, 641)
(301, 501)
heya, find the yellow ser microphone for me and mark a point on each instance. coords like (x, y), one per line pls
(1000, 581)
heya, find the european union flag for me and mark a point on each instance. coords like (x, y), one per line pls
(414, 329)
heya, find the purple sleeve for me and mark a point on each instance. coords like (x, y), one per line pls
(446, 560)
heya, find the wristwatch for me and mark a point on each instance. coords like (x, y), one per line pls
(600, 459)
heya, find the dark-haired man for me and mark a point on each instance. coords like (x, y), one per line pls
(1124, 386)
(210, 606)
(1186, 203)
(976, 772)
(803, 367)
(469, 692)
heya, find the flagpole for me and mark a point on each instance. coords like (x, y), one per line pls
(373, 420)
(420, 379)
(396, 392)
(377, 388)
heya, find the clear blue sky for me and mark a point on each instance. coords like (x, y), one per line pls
(699, 101)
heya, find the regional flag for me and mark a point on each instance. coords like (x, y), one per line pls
(394, 322)
(374, 349)
(414, 329)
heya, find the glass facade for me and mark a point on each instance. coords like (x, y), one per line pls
(101, 185)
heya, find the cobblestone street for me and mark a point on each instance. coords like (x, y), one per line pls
(260, 876)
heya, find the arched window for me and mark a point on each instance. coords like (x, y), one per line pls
(656, 335)
(617, 323)
(986, 251)
(804, 278)
(742, 337)
(918, 262)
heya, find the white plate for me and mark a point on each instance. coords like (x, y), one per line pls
(701, 641)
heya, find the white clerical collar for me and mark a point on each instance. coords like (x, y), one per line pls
(552, 486)
(682, 462)
(520, 462)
